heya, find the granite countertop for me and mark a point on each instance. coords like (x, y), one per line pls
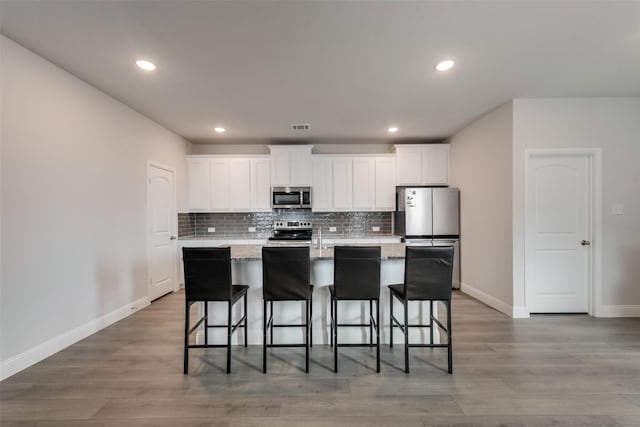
(254, 252)
(257, 239)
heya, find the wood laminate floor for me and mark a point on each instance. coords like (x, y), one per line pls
(562, 370)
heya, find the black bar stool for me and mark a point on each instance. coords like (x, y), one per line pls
(286, 276)
(356, 277)
(207, 277)
(427, 277)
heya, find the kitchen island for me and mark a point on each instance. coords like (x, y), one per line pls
(247, 269)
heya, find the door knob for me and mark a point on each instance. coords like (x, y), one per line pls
(174, 238)
(585, 243)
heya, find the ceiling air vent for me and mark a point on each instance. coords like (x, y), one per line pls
(300, 126)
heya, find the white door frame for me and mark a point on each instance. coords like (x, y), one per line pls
(594, 156)
(151, 163)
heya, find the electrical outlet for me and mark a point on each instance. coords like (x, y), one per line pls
(375, 228)
(332, 229)
(211, 229)
(252, 229)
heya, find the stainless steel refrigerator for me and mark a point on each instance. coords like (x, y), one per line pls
(430, 216)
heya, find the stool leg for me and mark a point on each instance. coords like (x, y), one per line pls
(431, 321)
(406, 336)
(331, 324)
(306, 355)
(390, 319)
(311, 321)
(206, 323)
(264, 339)
(186, 338)
(229, 338)
(271, 318)
(335, 336)
(449, 336)
(246, 318)
(378, 335)
(370, 323)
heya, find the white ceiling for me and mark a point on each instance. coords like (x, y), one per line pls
(350, 69)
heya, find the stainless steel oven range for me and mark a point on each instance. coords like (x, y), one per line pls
(292, 231)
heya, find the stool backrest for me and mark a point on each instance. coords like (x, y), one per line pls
(207, 273)
(428, 272)
(356, 272)
(286, 273)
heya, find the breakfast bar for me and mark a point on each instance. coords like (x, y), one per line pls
(247, 269)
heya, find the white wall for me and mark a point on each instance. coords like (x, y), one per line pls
(612, 124)
(481, 160)
(73, 177)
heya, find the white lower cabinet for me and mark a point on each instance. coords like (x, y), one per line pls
(229, 184)
(348, 183)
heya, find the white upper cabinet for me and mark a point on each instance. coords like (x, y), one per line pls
(290, 165)
(425, 164)
(261, 185)
(342, 181)
(219, 188)
(435, 164)
(385, 184)
(322, 185)
(229, 184)
(198, 171)
(240, 184)
(363, 182)
(349, 183)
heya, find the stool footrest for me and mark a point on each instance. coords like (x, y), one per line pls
(208, 346)
(357, 345)
(286, 345)
(429, 345)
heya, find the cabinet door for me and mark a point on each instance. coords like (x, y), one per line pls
(219, 191)
(435, 164)
(280, 165)
(300, 167)
(321, 187)
(409, 166)
(342, 195)
(260, 185)
(240, 184)
(363, 184)
(385, 184)
(198, 176)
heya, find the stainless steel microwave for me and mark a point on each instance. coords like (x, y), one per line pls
(291, 197)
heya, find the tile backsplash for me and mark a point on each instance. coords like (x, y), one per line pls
(236, 225)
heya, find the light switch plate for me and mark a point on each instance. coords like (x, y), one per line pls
(617, 209)
(252, 229)
(375, 228)
(332, 229)
(211, 230)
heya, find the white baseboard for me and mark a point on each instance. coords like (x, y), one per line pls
(35, 354)
(521, 313)
(489, 300)
(618, 311)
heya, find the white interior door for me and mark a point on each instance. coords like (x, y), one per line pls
(557, 233)
(161, 222)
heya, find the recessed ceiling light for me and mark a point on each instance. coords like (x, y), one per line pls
(444, 65)
(219, 129)
(392, 129)
(145, 65)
